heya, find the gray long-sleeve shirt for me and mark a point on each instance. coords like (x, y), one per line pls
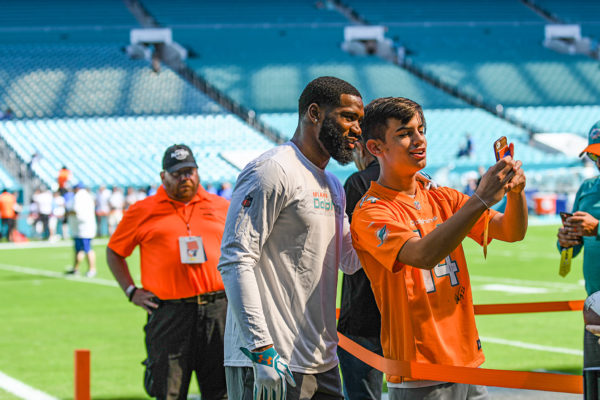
(285, 237)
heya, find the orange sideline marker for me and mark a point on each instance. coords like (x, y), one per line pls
(82, 375)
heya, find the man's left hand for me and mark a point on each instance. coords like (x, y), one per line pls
(583, 224)
(271, 373)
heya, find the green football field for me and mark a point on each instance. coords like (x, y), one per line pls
(45, 317)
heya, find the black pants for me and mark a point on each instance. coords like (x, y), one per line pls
(181, 338)
(9, 223)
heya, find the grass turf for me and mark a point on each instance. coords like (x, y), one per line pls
(45, 318)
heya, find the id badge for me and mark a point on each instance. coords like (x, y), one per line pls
(191, 250)
(565, 261)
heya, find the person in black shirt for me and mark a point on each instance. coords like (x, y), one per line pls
(360, 319)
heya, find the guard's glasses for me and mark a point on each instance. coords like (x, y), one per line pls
(593, 157)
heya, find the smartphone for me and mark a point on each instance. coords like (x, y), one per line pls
(564, 216)
(501, 148)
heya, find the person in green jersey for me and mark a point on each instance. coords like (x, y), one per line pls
(581, 231)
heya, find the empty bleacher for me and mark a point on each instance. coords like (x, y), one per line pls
(266, 69)
(446, 132)
(64, 13)
(127, 151)
(240, 12)
(442, 11)
(80, 80)
(572, 11)
(559, 119)
(7, 181)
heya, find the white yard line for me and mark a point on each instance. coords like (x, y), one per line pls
(54, 274)
(498, 287)
(532, 346)
(523, 282)
(21, 390)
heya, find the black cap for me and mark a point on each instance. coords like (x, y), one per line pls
(178, 156)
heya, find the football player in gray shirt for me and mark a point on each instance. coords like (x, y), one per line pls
(285, 238)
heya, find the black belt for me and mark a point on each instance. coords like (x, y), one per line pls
(203, 298)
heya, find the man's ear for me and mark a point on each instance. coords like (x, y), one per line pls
(374, 147)
(314, 113)
(162, 175)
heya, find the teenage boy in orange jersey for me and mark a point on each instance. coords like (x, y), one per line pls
(409, 242)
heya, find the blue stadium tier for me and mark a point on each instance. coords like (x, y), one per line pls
(80, 80)
(7, 181)
(189, 12)
(501, 64)
(389, 12)
(128, 150)
(446, 133)
(270, 78)
(560, 119)
(572, 11)
(63, 13)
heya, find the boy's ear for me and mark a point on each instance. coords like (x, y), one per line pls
(374, 146)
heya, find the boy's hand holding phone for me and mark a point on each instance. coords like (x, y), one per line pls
(504, 149)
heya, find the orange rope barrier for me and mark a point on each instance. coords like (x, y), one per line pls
(479, 376)
(516, 308)
(474, 376)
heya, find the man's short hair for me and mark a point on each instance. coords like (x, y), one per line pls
(325, 91)
(380, 110)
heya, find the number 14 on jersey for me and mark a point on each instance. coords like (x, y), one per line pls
(448, 268)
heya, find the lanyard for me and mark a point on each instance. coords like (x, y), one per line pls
(187, 223)
(486, 221)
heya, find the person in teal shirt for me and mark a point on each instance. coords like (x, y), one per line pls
(581, 231)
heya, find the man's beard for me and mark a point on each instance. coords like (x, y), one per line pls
(332, 137)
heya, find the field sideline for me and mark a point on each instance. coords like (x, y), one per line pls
(46, 317)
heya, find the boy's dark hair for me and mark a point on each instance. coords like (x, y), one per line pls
(380, 110)
(326, 92)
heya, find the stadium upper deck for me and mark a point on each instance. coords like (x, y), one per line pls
(241, 12)
(56, 64)
(23, 15)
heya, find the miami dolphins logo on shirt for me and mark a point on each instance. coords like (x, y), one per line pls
(382, 234)
(370, 199)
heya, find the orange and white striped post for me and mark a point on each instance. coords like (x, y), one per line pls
(82, 375)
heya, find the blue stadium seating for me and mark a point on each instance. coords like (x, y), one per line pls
(186, 12)
(7, 181)
(502, 64)
(572, 11)
(80, 80)
(128, 150)
(65, 13)
(391, 12)
(559, 119)
(271, 78)
(446, 132)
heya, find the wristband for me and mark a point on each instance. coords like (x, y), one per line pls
(484, 203)
(130, 291)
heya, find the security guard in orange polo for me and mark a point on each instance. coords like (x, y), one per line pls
(179, 231)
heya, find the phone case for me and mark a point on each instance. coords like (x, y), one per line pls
(501, 148)
(564, 216)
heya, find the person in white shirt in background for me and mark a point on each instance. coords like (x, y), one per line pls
(117, 204)
(44, 200)
(285, 238)
(102, 210)
(58, 216)
(83, 225)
